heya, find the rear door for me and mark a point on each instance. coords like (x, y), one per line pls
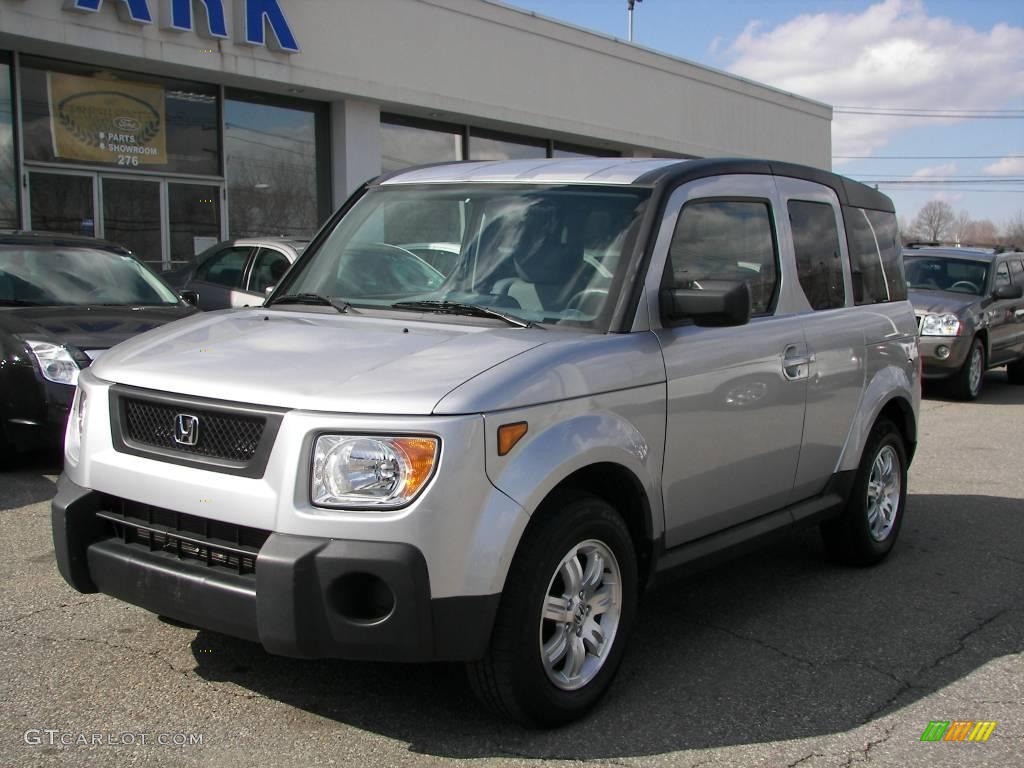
(835, 329)
(1017, 276)
(1002, 318)
(735, 396)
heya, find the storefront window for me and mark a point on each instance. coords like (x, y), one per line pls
(275, 183)
(194, 218)
(83, 115)
(486, 146)
(403, 144)
(8, 168)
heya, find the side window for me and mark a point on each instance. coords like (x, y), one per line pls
(225, 268)
(887, 236)
(818, 260)
(268, 269)
(1016, 271)
(1002, 275)
(869, 285)
(726, 240)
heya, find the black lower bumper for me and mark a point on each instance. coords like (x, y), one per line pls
(308, 597)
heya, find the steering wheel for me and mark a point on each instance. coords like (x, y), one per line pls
(594, 296)
(968, 283)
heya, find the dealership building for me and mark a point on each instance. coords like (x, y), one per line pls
(167, 125)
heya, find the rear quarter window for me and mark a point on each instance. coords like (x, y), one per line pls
(887, 233)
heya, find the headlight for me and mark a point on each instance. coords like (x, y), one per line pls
(55, 362)
(940, 325)
(360, 471)
(76, 423)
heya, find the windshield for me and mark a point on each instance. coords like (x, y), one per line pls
(937, 273)
(551, 254)
(60, 276)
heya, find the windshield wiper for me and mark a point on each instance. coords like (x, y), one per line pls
(458, 308)
(310, 298)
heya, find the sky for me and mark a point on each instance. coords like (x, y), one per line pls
(956, 66)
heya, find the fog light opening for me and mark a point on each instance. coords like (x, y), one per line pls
(363, 598)
(942, 352)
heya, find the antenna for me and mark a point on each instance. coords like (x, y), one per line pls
(629, 10)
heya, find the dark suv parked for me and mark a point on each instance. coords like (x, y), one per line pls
(970, 313)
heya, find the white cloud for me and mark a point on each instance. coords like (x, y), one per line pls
(893, 54)
(932, 171)
(1008, 166)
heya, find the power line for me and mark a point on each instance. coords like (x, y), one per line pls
(942, 115)
(929, 109)
(924, 157)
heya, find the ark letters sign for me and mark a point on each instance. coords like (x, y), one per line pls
(257, 22)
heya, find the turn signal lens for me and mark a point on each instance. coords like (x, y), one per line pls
(509, 435)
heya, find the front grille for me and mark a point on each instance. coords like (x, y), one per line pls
(234, 437)
(189, 537)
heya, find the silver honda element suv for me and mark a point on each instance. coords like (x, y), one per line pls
(493, 402)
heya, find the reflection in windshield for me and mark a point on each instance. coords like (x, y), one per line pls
(943, 274)
(541, 253)
(53, 276)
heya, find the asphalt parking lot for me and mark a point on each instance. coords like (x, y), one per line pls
(776, 659)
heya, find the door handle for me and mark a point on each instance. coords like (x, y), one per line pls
(796, 363)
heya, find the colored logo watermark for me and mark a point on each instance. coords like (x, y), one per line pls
(958, 730)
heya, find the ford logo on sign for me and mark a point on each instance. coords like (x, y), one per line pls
(186, 429)
(127, 124)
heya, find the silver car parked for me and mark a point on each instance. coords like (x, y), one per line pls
(631, 367)
(236, 273)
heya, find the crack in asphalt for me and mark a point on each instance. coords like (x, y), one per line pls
(861, 755)
(155, 655)
(10, 622)
(959, 648)
(804, 759)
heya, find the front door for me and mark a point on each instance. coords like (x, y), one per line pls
(735, 395)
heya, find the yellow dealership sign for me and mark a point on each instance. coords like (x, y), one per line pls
(107, 121)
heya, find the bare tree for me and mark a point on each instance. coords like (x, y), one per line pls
(1013, 232)
(982, 232)
(961, 225)
(935, 220)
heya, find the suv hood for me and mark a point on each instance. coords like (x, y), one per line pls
(941, 302)
(314, 361)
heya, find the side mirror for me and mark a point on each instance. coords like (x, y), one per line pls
(1008, 292)
(709, 303)
(269, 290)
(190, 297)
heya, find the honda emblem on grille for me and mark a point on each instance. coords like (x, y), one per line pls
(186, 429)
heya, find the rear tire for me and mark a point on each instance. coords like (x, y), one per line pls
(1015, 372)
(966, 384)
(566, 612)
(866, 530)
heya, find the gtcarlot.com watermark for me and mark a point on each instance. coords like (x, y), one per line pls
(53, 737)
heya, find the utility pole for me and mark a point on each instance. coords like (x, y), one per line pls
(629, 9)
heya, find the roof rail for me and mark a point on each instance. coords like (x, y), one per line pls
(994, 247)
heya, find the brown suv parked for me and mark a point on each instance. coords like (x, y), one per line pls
(970, 313)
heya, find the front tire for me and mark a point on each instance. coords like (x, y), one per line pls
(566, 612)
(866, 530)
(966, 384)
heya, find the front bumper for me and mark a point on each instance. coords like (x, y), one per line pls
(36, 415)
(306, 596)
(935, 367)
